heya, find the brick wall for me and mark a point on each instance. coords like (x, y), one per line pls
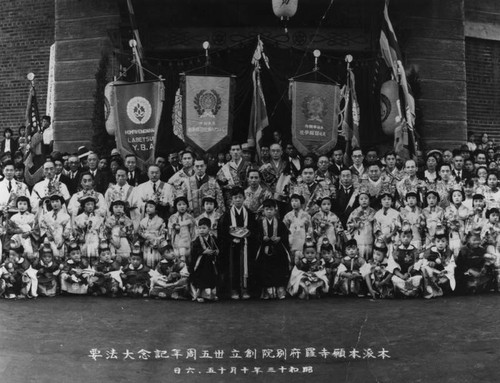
(483, 86)
(26, 34)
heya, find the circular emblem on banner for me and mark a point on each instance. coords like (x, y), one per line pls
(314, 108)
(139, 110)
(385, 107)
(207, 103)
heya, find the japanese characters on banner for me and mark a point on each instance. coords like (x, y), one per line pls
(208, 110)
(315, 111)
(136, 109)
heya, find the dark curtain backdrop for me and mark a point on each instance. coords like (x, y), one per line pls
(284, 63)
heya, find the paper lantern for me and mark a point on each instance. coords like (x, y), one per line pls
(109, 102)
(285, 9)
(390, 110)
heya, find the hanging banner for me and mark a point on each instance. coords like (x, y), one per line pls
(136, 112)
(208, 111)
(315, 111)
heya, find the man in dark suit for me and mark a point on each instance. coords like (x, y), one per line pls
(338, 162)
(74, 174)
(458, 171)
(59, 166)
(134, 174)
(8, 145)
(172, 166)
(346, 200)
(102, 178)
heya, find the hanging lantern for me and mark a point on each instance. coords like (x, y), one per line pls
(109, 104)
(390, 113)
(284, 9)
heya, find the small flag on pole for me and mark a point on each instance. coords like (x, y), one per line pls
(350, 113)
(258, 113)
(32, 113)
(404, 135)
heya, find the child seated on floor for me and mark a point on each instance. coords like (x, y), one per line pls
(330, 259)
(106, 279)
(48, 270)
(438, 267)
(135, 275)
(308, 278)
(406, 279)
(377, 278)
(475, 271)
(170, 278)
(349, 280)
(25, 284)
(76, 272)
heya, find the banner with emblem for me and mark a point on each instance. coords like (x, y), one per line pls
(136, 110)
(315, 113)
(207, 110)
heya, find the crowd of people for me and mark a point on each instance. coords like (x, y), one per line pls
(241, 226)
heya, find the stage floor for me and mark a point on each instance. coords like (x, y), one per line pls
(86, 339)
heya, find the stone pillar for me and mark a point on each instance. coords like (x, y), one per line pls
(82, 31)
(432, 34)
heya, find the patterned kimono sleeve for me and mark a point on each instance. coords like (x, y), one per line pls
(141, 231)
(392, 265)
(365, 269)
(78, 228)
(192, 227)
(377, 225)
(341, 269)
(308, 224)
(67, 227)
(287, 221)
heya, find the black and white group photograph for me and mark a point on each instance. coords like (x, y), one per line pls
(250, 191)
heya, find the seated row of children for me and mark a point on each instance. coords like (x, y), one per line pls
(406, 272)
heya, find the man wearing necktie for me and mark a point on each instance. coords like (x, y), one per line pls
(201, 185)
(9, 184)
